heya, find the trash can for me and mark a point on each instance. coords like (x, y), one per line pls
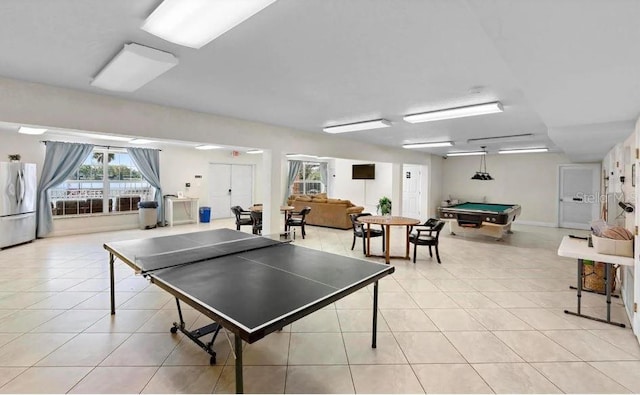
(205, 214)
(148, 214)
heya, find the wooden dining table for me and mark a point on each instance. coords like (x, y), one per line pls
(387, 222)
(284, 209)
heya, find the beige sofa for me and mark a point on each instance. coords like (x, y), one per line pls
(332, 213)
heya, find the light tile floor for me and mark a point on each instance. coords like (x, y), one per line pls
(489, 319)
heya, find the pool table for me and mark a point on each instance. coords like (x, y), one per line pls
(485, 218)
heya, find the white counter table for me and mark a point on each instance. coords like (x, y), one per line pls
(580, 250)
(174, 204)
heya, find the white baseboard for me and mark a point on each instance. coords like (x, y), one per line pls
(536, 223)
(71, 232)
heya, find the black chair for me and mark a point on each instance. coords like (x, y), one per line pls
(242, 217)
(427, 236)
(298, 219)
(256, 222)
(360, 230)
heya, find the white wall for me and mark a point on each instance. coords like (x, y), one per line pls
(364, 193)
(29, 147)
(180, 166)
(434, 184)
(618, 162)
(530, 180)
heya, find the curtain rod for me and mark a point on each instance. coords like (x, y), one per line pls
(97, 145)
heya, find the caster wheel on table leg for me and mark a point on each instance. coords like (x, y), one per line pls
(212, 360)
(174, 329)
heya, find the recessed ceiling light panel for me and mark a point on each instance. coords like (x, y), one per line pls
(429, 145)
(133, 67)
(501, 139)
(254, 151)
(33, 131)
(458, 112)
(468, 153)
(357, 126)
(194, 23)
(523, 151)
(140, 141)
(208, 147)
(98, 136)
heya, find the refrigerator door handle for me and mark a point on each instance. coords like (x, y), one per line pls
(17, 188)
(20, 190)
(23, 187)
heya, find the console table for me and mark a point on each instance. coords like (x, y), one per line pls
(189, 205)
(580, 250)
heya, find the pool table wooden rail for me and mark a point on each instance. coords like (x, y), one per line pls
(479, 216)
(490, 223)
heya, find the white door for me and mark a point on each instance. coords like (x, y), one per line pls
(411, 193)
(579, 193)
(241, 185)
(220, 190)
(231, 185)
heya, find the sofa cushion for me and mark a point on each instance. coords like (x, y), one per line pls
(334, 215)
(304, 198)
(319, 200)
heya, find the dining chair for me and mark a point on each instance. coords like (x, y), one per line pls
(426, 236)
(243, 217)
(256, 222)
(298, 219)
(360, 230)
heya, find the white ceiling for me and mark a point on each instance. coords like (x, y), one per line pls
(565, 70)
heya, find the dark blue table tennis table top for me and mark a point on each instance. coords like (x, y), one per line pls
(253, 292)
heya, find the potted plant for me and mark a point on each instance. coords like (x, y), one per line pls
(14, 157)
(384, 206)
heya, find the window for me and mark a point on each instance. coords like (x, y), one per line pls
(308, 181)
(101, 186)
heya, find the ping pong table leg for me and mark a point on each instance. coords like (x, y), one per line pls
(112, 259)
(238, 347)
(375, 315)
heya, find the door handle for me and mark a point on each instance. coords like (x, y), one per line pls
(229, 191)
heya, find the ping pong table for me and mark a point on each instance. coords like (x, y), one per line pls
(250, 285)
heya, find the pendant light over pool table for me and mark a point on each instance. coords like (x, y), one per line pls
(482, 174)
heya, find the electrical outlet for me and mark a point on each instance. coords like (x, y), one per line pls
(187, 185)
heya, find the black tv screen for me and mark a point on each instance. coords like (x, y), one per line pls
(363, 172)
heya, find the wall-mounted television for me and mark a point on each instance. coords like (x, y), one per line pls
(363, 172)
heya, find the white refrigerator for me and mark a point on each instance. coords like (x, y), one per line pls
(17, 203)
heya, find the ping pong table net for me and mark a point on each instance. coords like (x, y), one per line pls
(186, 256)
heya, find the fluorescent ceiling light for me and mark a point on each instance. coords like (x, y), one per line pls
(100, 136)
(254, 151)
(429, 145)
(354, 127)
(501, 139)
(140, 141)
(194, 23)
(207, 146)
(133, 67)
(523, 151)
(469, 153)
(458, 112)
(28, 130)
